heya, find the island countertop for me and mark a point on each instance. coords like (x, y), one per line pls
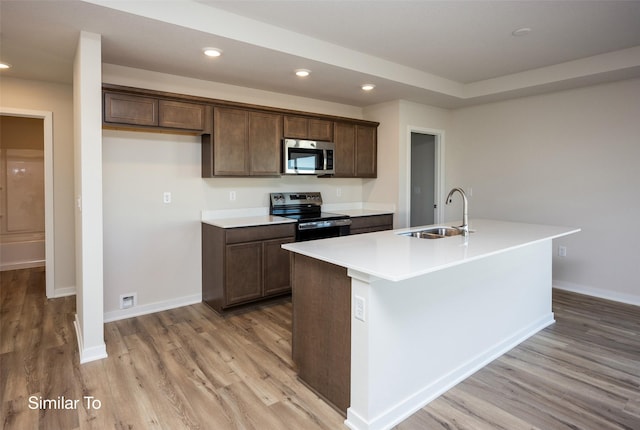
(388, 255)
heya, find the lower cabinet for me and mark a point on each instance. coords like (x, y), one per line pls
(244, 264)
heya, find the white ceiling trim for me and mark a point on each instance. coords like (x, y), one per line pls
(220, 23)
(602, 64)
(197, 16)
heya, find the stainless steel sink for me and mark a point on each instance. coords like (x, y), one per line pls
(433, 233)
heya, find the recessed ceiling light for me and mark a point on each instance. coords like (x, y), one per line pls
(212, 52)
(368, 87)
(302, 72)
(5, 66)
(521, 31)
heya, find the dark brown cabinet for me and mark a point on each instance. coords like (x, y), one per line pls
(244, 143)
(154, 114)
(356, 150)
(371, 223)
(321, 328)
(244, 264)
(182, 115)
(298, 127)
(240, 139)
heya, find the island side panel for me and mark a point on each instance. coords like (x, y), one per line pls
(321, 332)
(422, 336)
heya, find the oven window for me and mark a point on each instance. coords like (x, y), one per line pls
(305, 159)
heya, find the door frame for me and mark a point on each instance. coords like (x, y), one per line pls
(438, 172)
(49, 235)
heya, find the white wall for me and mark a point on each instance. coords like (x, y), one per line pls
(56, 98)
(152, 248)
(567, 158)
(87, 110)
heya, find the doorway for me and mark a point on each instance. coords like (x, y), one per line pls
(21, 225)
(424, 178)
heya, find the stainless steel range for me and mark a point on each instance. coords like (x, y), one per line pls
(306, 208)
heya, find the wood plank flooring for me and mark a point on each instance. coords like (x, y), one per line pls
(189, 368)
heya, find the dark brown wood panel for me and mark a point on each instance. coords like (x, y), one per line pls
(277, 273)
(366, 152)
(129, 109)
(345, 140)
(213, 250)
(182, 115)
(296, 127)
(259, 233)
(230, 142)
(371, 223)
(244, 264)
(320, 129)
(321, 338)
(243, 272)
(265, 137)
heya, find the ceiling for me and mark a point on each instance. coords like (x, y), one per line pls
(442, 53)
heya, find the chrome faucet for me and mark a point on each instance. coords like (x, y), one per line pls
(464, 228)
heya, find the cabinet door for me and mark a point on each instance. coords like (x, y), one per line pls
(295, 127)
(127, 109)
(366, 152)
(265, 136)
(230, 142)
(345, 140)
(181, 115)
(276, 267)
(320, 129)
(243, 272)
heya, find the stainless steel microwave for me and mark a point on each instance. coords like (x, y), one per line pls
(308, 157)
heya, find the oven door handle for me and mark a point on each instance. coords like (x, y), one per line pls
(323, 224)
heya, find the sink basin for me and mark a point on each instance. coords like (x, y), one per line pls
(433, 233)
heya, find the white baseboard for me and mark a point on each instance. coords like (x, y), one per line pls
(88, 354)
(630, 299)
(21, 265)
(152, 308)
(64, 292)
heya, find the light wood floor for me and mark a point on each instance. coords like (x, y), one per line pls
(189, 368)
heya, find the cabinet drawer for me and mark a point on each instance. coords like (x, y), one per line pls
(126, 109)
(261, 232)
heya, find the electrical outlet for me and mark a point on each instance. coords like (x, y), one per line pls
(232, 195)
(359, 310)
(339, 192)
(562, 251)
(128, 300)
(166, 197)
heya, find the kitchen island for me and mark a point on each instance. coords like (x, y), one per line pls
(384, 323)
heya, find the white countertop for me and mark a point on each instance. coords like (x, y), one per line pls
(388, 255)
(259, 216)
(247, 221)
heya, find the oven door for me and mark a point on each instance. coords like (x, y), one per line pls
(322, 230)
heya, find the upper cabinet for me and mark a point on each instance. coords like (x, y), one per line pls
(299, 127)
(154, 114)
(356, 150)
(244, 143)
(240, 139)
